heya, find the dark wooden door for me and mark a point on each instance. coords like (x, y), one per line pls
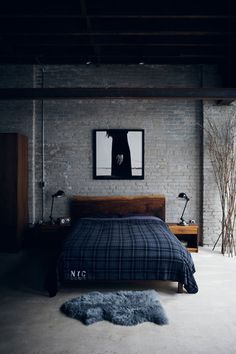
(14, 186)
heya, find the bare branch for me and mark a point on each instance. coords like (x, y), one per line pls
(221, 144)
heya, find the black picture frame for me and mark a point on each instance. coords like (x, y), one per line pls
(118, 154)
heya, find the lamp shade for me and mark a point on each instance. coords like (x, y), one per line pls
(183, 196)
(186, 198)
(58, 194)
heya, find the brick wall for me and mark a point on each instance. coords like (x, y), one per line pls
(173, 137)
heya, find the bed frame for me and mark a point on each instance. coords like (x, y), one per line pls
(84, 206)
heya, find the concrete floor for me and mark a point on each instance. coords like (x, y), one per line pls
(31, 323)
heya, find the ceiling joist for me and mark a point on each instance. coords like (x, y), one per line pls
(118, 32)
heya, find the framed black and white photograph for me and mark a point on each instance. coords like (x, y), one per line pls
(118, 154)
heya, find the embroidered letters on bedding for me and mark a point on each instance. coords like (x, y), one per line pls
(78, 274)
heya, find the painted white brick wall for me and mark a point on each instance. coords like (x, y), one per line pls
(173, 153)
(171, 148)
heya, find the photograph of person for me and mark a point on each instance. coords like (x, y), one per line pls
(118, 154)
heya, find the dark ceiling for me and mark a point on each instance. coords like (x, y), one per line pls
(113, 32)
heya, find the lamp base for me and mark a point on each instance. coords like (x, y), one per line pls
(183, 223)
(52, 221)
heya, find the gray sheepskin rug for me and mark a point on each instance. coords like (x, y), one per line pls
(125, 308)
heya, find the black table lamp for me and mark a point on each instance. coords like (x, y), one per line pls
(186, 198)
(58, 194)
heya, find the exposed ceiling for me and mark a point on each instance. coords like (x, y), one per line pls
(118, 32)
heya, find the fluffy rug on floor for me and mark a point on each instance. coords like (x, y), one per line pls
(124, 308)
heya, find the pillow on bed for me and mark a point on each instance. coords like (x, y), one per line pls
(102, 216)
(141, 216)
(133, 214)
(118, 215)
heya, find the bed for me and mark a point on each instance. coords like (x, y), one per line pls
(122, 238)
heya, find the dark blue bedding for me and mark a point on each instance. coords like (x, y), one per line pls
(129, 248)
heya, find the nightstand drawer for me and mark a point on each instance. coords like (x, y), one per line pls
(183, 230)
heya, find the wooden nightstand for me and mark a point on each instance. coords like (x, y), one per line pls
(50, 236)
(186, 234)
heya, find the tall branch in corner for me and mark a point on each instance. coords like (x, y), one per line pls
(221, 144)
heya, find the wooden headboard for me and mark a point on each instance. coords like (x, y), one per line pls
(83, 206)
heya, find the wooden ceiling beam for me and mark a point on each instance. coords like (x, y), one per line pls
(90, 24)
(112, 44)
(120, 8)
(112, 60)
(118, 16)
(120, 33)
(113, 39)
(119, 93)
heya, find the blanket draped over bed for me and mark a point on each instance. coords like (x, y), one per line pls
(126, 248)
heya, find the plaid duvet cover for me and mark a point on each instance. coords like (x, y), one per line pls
(128, 248)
